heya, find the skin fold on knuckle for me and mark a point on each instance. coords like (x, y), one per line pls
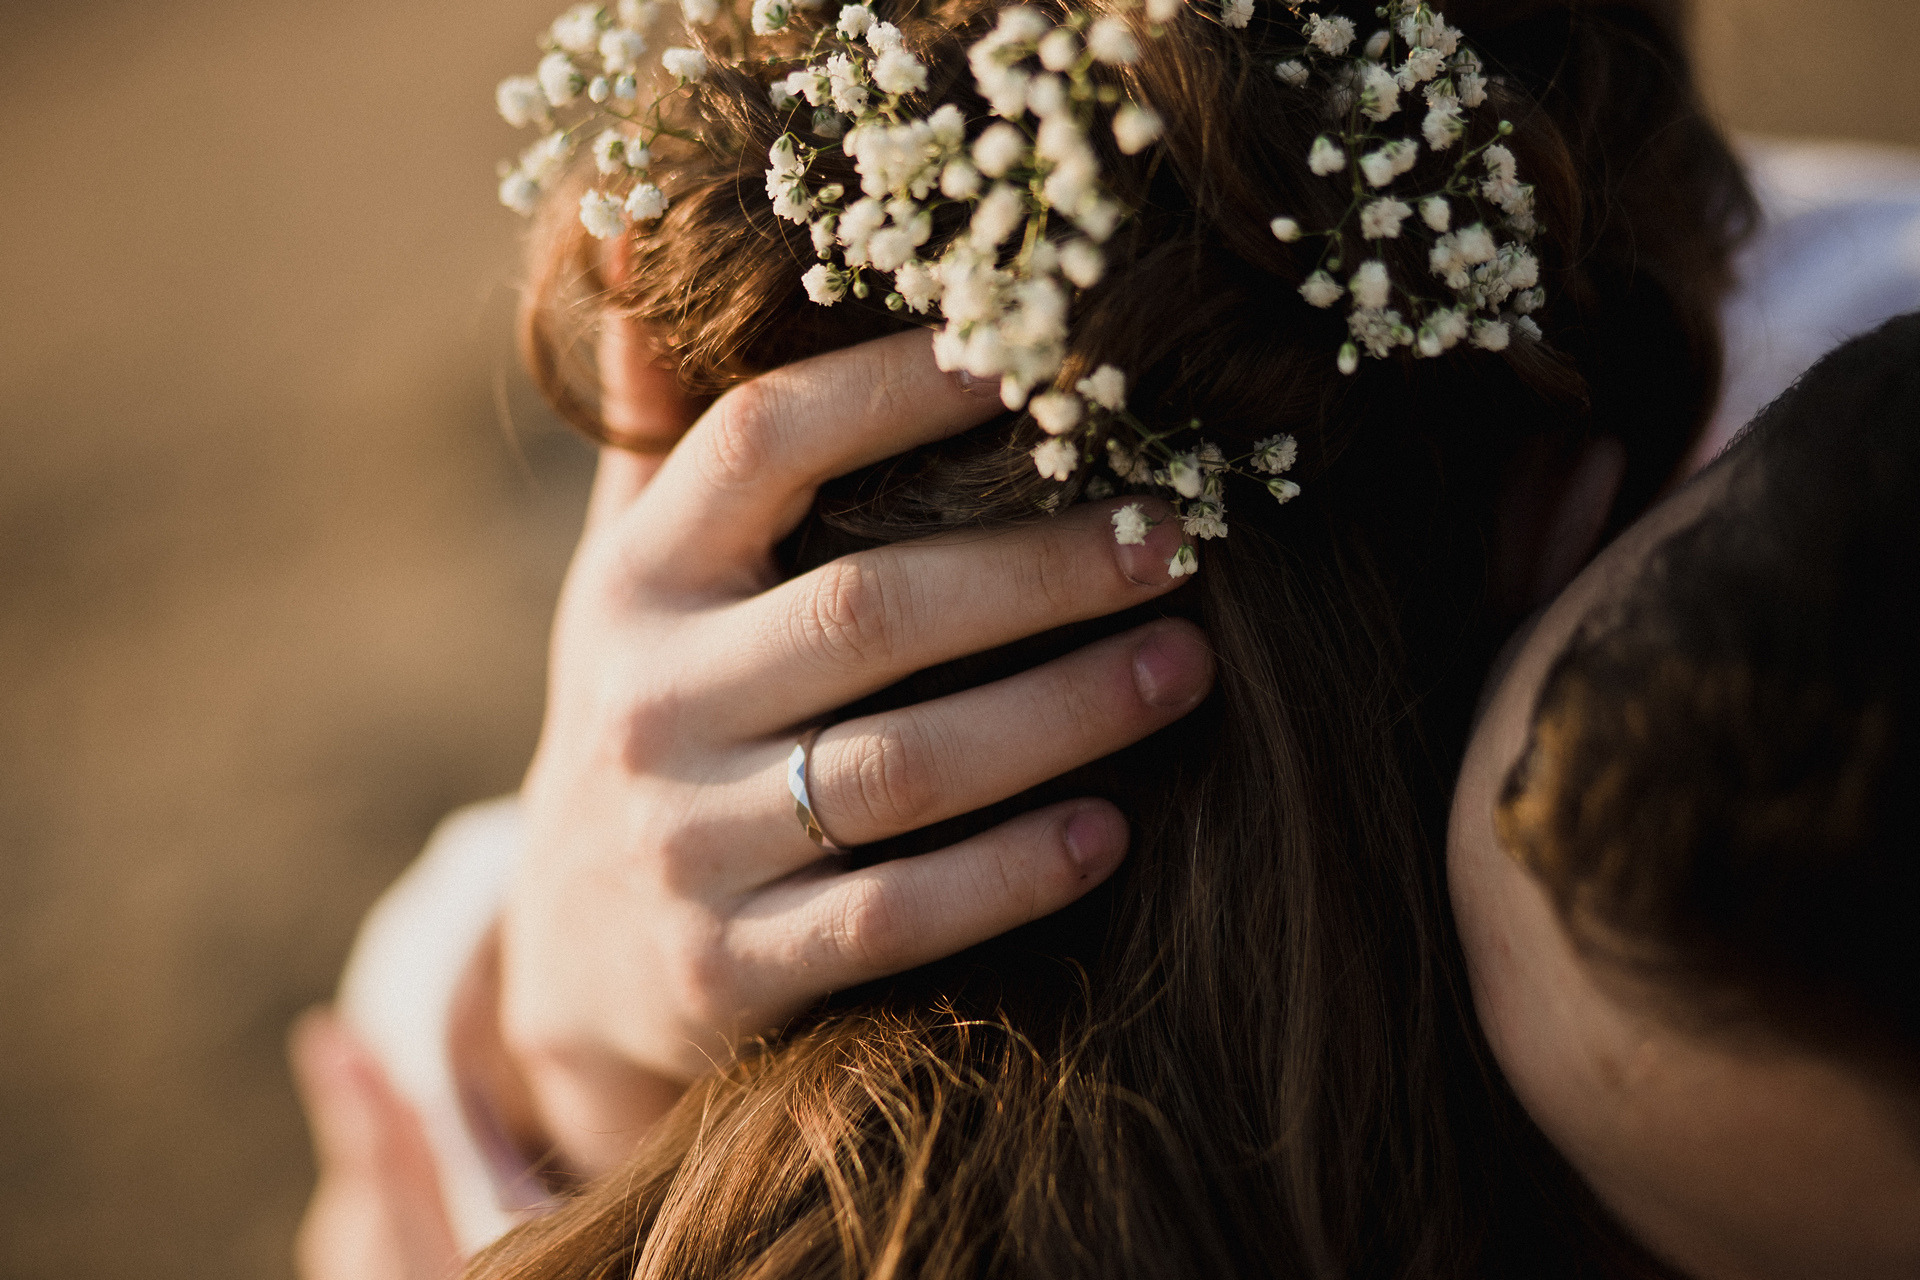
(746, 435)
(844, 619)
(863, 931)
(884, 786)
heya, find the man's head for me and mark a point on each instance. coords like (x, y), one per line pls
(1685, 851)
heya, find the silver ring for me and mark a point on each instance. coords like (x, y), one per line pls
(797, 765)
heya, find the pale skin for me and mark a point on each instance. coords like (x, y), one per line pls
(1732, 1155)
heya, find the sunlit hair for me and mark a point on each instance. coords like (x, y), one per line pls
(1718, 790)
(1252, 1050)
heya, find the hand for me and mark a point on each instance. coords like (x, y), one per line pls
(670, 904)
(376, 1212)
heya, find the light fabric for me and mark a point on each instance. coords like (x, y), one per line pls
(397, 994)
(1838, 252)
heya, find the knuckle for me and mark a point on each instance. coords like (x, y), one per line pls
(645, 723)
(846, 618)
(865, 927)
(699, 973)
(744, 439)
(889, 784)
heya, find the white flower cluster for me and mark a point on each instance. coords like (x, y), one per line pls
(591, 75)
(1485, 264)
(1038, 216)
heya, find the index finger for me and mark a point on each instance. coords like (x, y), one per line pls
(747, 470)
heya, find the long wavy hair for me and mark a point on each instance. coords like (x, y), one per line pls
(1252, 1050)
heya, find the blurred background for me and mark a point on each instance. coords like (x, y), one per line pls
(281, 524)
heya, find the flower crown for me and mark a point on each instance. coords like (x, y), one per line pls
(1039, 211)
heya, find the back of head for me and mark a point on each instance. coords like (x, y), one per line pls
(1250, 1051)
(1720, 791)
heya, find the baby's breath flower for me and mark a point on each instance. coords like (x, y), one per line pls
(1377, 46)
(1275, 454)
(821, 232)
(999, 149)
(959, 180)
(519, 193)
(1059, 49)
(1527, 328)
(1285, 230)
(625, 88)
(1331, 36)
(1421, 66)
(1111, 41)
(1162, 11)
(1057, 459)
(560, 80)
(770, 16)
(1436, 213)
(609, 153)
(599, 89)
(1130, 525)
(637, 15)
(1379, 93)
(1292, 72)
(1326, 158)
(601, 215)
(1057, 412)
(918, 285)
(899, 72)
(1185, 476)
(1381, 219)
(521, 101)
(646, 202)
(620, 50)
(1444, 124)
(1379, 331)
(883, 37)
(854, 20)
(578, 29)
(1473, 89)
(689, 65)
(1135, 127)
(1285, 491)
(1321, 290)
(1491, 335)
(1349, 358)
(700, 12)
(1236, 13)
(1082, 262)
(1204, 519)
(1372, 286)
(1106, 387)
(1442, 331)
(1184, 563)
(546, 159)
(1529, 302)
(824, 285)
(996, 216)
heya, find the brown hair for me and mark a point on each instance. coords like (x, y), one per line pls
(1251, 1050)
(1718, 791)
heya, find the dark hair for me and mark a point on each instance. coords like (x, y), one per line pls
(1252, 1050)
(1720, 786)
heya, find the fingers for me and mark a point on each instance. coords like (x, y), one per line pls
(883, 775)
(839, 931)
(746, 471)
(896, 772)
(377, 1212)
(848, 628)
(641, 401)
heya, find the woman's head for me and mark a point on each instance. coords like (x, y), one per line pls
(1684, 847)
(1247, 1051)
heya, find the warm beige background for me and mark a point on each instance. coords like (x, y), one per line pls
(280, 525)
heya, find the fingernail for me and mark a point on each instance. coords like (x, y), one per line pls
(1145, 563)
(1095, 836)
(982, 388)
(1172, 668)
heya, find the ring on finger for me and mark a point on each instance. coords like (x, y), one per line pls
(798, 764)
